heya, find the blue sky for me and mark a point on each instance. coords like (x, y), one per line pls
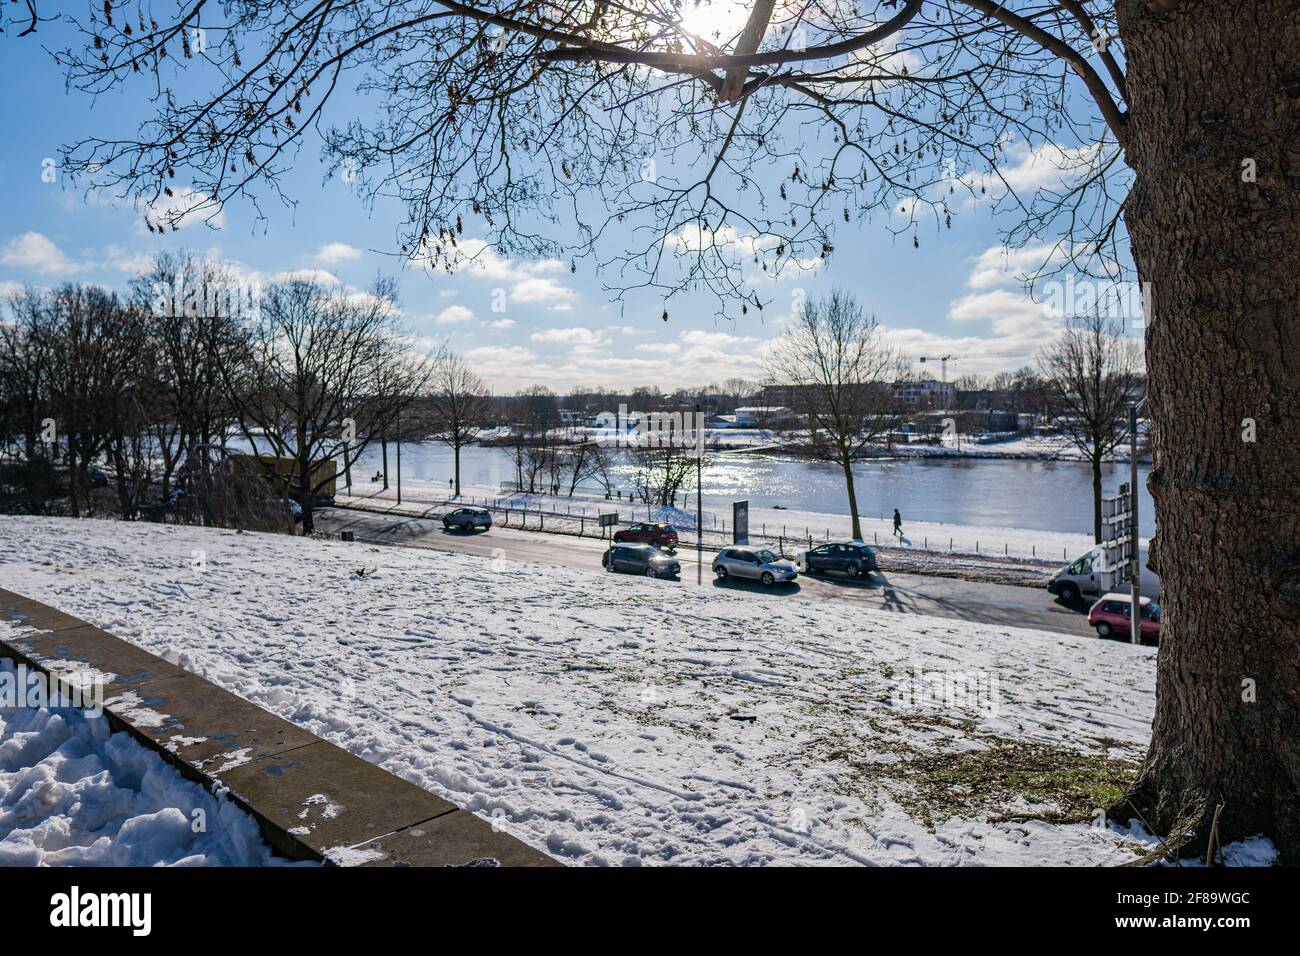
(519, 322)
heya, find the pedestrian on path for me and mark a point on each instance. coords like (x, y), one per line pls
(898, 524)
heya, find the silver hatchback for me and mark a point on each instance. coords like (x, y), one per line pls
(754, 564)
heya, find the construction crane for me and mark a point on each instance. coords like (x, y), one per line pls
(943, 363)
(943, 360)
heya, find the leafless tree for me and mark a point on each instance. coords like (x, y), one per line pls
(458, 405)
(662, 472)
(1093, 372)
(318, 374)
(194, 306)
(738, 391)
(27, 341)
(839, 367)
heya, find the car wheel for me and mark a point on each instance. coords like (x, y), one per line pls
(767, 578)
(721, 572)
(446, 526)
(651, 573)
(853, 570)
(1068, 593)
(1103, 629)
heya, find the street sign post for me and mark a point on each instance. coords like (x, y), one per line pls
(1117, 545)
(740, 522)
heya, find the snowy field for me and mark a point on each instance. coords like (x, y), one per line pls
(612, 720)
(72, 793)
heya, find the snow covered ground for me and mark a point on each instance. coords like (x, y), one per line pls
(612, 720)
(73, 793)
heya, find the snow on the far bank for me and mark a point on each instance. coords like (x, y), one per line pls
(609, 719)
(73, 793)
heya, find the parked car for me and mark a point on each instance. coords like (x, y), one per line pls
(641, 559)
(849, 557)
(1113, 614)
(648, 532)
(467, 519)
(757, 564)
(1085, 578)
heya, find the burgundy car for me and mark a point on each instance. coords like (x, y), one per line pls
(1110, 616)
(648, 532)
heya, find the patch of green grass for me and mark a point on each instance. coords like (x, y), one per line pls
(940, 782)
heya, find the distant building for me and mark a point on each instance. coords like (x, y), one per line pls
(926, 393)
(762, 416)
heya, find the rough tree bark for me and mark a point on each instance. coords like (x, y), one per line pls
(1215, 97)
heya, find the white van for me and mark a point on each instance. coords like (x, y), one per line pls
(1084, 578)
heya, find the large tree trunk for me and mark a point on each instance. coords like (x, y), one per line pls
(846, 462)
(1215, 92)
(305, 496)
(1096, 498)
(456, 455)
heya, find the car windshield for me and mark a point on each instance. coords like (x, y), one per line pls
(765, 556)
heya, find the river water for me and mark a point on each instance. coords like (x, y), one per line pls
(1009, 493)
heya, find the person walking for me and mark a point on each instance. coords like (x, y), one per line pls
(898, 524)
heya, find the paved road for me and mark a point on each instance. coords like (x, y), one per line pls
(886, 590)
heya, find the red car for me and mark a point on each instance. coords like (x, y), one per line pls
(1110, 616)
(648, 532)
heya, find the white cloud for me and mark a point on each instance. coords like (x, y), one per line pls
(36, 251)
(714, 339)
(500, 324)
(185, 207)
(577, 335)
(541, 289)
(1025, 170)
(454, 314)
(307, 275)
(125, 261)
(528, 282)
(693, 238)
(333, 253)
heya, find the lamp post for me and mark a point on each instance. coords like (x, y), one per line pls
(699, 497)
(399, 455)
(1135, 570)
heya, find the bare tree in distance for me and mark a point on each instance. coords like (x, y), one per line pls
(458, 405)
(315, 361)
(1167, 135)
(191, 313)
(1093, 372)
(738, 391)
(838, 367)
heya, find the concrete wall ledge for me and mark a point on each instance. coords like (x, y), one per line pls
(311, 799)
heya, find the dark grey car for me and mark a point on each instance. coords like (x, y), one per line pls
(849, 557)
(641, 559)
(467, 519)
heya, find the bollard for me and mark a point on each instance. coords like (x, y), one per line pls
(347, 536)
